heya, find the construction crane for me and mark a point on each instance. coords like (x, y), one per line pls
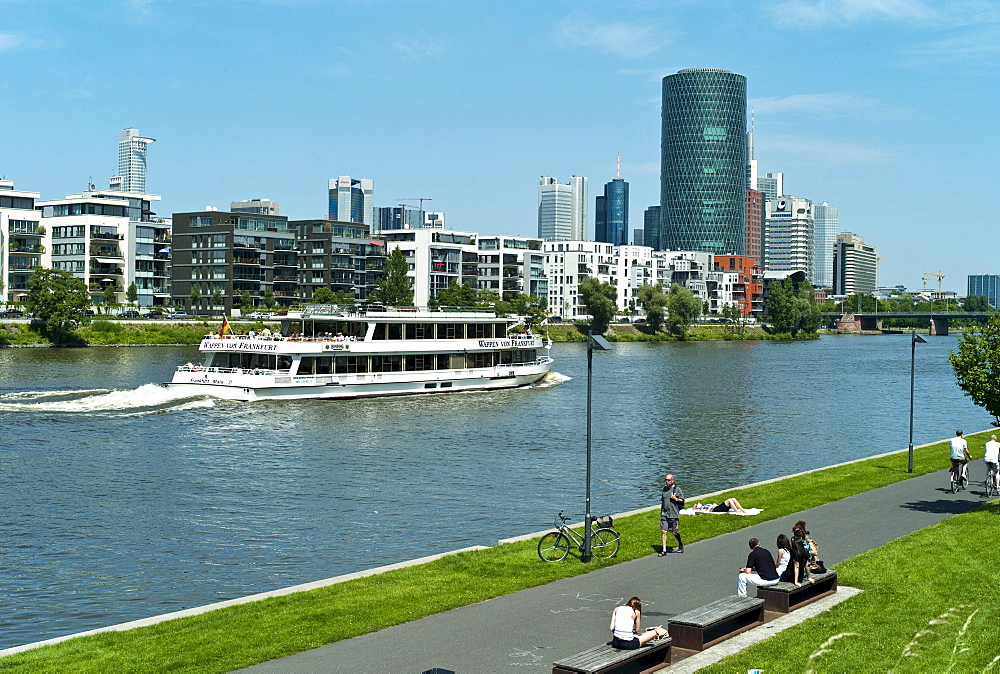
(420, 199)
(940, 278)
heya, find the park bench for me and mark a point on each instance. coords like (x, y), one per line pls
(785, 597)
(605, 659)
(706, 626)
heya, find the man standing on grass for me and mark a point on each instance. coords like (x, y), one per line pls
(760, 569)
(960, 456)
(671, 502)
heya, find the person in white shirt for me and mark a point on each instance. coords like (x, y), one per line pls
(960, 456)
(626, 626)
(992, 458)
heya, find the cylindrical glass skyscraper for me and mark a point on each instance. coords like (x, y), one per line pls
(703, 161)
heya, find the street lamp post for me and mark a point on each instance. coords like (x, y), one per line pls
(601, 344)
(914, 338)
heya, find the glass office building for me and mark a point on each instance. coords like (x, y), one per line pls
(611, 216)
(985, 284)
(703, 161)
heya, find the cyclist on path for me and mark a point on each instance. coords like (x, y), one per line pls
(960, 456)
(992, 458)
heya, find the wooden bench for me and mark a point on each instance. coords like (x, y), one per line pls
(785, 597)
(706, 626)
(605, 659)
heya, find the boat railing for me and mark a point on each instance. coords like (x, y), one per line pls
(295, 337)
(191, 367)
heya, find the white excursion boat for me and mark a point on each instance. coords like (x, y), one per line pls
(324, 352)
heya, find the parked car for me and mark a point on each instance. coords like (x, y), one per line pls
(88, 313)
(154, 314)
(178, 315)
(12, 313)
(129, 313)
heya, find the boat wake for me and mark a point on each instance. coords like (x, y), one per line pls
(551, 378)
(147, 399)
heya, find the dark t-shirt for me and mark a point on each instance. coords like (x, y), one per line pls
(760, 561)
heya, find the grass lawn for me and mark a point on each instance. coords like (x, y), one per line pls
(239, 636)
(929, 605)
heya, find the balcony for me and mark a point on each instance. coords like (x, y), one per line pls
(110, 236)
(22, 248)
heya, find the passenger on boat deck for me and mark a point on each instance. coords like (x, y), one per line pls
(265, 332)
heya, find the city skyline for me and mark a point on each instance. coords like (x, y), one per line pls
(853, 102)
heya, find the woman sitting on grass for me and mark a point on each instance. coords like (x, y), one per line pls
(626, 624)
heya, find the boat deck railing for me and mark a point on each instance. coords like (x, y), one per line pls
(295, 337)
(190, 367)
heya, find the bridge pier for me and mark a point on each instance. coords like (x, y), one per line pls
(939, 326)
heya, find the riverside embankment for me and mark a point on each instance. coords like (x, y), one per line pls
(125, 502)
(236, 636)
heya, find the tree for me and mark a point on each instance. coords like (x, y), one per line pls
(195, 296)
(269, 301)
(683, 309)
(395, 287)
(528, 306)
(977, 367)
(246, 302)
(977, 303)
(455, 295)
(792, 310)
(654, 301)
(217, 300)
(109, 298)
(601, 302)
(323, 296)
(59, 299)
(132, 294)
(736, 319)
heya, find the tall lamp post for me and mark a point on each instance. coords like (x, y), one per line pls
(914, 338)
(601, 344)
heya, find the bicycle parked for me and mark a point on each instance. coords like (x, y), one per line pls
(555, 545)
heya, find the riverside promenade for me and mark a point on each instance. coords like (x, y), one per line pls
(533, 628)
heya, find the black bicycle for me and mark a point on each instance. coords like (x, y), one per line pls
(555, 545)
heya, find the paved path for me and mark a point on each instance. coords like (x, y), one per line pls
(531, 629)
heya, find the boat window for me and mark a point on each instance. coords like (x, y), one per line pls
(379, 331)
(420, 362)
(443, 361)
(284, 362)
(395, 331)
(387, 363)
(480, 330)
(351, 364)
(500, 330)
(457, 361)
(482, 359)
(315, 365)
(213, 356)
(451, 331)
(420, 331)
(506, 357)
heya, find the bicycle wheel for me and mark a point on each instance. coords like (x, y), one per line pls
(553, 547)
(954, 481)
(604, 543)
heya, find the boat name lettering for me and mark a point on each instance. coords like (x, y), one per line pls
(243, 345)
(504, 343)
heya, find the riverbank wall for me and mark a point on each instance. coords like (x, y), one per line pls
(305, 587)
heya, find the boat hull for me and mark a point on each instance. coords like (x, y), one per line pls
(251, 387)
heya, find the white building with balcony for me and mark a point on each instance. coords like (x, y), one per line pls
(513, 265)
(436, 258)
(23, 242)
(567, 263)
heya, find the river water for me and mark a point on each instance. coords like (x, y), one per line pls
(121, 501)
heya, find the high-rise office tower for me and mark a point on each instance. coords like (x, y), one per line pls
(751, 160)
(131, 162)
(987, 285)
(788, 235)
(651, 228)
(754, 236)
(352, 200)
(772, 185)
(611, 214)
(855, 266)
(703, 161)
(562, 209)
(826, 227)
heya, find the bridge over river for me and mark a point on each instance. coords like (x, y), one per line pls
(938, 322)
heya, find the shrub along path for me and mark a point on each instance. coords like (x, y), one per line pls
(538, 626)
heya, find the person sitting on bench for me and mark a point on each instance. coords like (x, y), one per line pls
(759, 570)
(626, 624)
(798, 568)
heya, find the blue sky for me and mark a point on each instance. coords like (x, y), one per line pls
(885, 108)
